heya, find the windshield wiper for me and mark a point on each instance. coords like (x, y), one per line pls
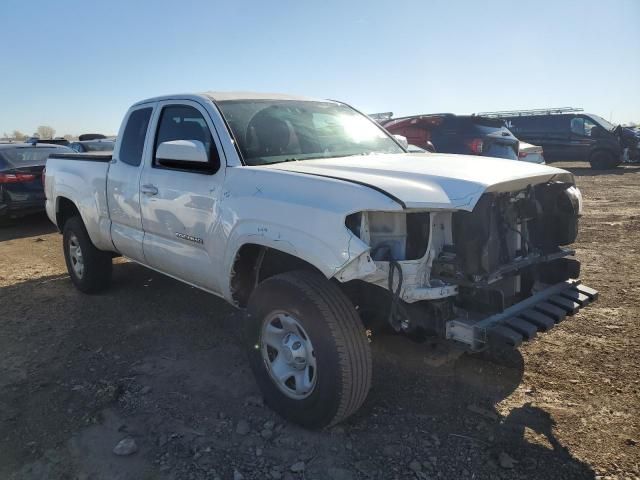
(292, 159)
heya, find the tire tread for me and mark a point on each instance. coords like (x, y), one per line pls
(348, 334)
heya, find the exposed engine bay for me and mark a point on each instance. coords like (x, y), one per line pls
(438, 267)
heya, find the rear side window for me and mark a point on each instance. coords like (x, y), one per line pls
(27, 156)
(538, 123)
(182, 122)
(134, 135)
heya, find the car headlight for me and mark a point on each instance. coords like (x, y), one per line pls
(576, 198)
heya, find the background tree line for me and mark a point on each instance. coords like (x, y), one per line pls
(44, 132)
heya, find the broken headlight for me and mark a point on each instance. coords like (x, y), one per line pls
(392, 235)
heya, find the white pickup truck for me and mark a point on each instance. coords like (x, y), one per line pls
(318, 222)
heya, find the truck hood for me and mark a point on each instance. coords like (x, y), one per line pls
(430, 180)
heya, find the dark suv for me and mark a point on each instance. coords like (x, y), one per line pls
(574, 136)
(449, 133)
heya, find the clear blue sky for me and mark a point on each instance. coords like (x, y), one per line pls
(77, 65)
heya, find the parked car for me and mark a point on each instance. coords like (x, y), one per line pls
(92, 146)
(530, 153)
(317, 221)
(569, 134)
(21, 188)
(91, 136)
(449, 133)
(50, 141)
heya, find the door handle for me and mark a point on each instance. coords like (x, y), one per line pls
(149, 189)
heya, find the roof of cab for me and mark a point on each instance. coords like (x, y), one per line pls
(224, 96)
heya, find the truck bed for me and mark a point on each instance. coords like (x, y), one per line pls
(83, 182)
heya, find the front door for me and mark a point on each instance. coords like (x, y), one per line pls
(581, 137)
(180, 203)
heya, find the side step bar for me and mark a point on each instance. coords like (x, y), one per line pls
(522, 321)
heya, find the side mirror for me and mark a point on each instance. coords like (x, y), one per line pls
(402, 140)
(597, 132)
(179, 151)
(429, 147)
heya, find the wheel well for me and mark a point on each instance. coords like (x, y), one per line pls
(255, 263)
(66, 210)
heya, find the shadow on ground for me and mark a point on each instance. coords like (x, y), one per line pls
(31, 226)
(162, 362)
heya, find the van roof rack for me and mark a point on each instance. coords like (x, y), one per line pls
(535, 111)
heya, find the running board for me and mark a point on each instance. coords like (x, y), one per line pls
(522, 321)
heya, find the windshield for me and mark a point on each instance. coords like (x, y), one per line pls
(19, 157)
(603, 123)
(272, 131)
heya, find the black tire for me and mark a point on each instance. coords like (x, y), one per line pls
(96, 275)
(340, 347)
(603, 160)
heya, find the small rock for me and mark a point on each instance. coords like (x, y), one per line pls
(366, 468)
(266, 434)
(275, 474)
(145, 390)
(506, 461)
(162, 440)
(243, 427)
(258, 452)
(483, 412)
(415, 466)
(269, 424)
(297, 467)
(340, 474)
(237, 475)
(631, 441)
(126, 446)
(254, 401)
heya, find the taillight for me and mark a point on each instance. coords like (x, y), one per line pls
(475, 145)
(16, 177)
(522, 154)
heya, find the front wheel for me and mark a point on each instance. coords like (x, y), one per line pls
(88, 267)
(308, 349)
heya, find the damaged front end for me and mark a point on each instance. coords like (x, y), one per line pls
(493, 276)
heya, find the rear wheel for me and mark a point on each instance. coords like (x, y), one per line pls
(88, 267)
(603, 160)
(308, 349)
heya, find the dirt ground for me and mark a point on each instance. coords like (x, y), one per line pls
(162, 363)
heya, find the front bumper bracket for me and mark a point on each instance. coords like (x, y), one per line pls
(522, 321)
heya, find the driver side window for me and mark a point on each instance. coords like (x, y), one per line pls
(588, 127)
(577, 126)
(182, 122)
(582, 126)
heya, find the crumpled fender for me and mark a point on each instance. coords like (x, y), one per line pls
(298, 214)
